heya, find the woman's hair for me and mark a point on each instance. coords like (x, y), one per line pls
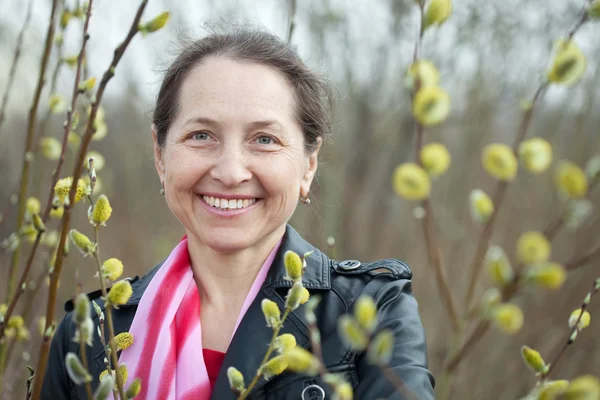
(312, 93)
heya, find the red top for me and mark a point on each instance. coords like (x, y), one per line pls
(213, 360)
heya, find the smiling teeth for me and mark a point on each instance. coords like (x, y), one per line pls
(226, 204)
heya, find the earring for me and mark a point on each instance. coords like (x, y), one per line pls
(162, 189)
(305, 200)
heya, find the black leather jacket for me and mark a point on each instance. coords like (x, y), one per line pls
(338, 283)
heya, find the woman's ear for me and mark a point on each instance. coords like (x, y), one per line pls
(158, 159)
(312, 162)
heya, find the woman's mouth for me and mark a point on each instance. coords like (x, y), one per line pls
(228, 204)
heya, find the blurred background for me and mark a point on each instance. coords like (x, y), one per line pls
(491, 55)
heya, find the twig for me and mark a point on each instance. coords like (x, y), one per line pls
(45, 345)
(578, 262)
(398, 383)
(570, 338)
(292, 25)
(83, 350)
(270, 350)
(433, 249)
(477, 334)
(15, 61)
(28, 156)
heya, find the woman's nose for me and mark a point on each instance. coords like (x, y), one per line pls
(231, 168)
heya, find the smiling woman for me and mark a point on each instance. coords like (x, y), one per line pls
(237, 130)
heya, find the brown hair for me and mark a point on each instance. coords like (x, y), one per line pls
(313, 96)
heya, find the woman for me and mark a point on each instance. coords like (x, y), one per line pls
(237, 129)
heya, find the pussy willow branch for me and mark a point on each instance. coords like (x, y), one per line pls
(507, 293)
(53, 81)
(292, 24)
(28, 155)
(433, 249)
(497, 198)
(45, 346)
(584, 305)
(83, 351)
(270, 350)
(67, 125)
(15, 61)
(108, 314)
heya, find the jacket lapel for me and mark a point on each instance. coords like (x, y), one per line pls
(251, 339)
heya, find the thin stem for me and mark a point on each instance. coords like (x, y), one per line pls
(270, 350)
(109, 73)
(15, 61)
(578, 262)
(28, 155)
(398, 383)
(108, 314)
(83, 350)
(433, 249)
(570, 338)
(477, 334)
(292, 24)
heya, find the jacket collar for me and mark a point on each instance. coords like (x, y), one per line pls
(249, 343)
(316, 275)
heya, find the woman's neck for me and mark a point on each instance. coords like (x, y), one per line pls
(224, 279)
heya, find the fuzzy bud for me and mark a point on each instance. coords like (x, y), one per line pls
(343, 391)
(101, 211)
(82, 308)
(584, 321)
(274, 367)
(498, 266)
(593, 9)
(123, 340)
(284, 342)
(236, 380)
(107, 383)
(295, 296)
(508, 318)
(301, 361)
(535, 154)
(50, 148)
(75, 370)
(38, 224)
(293, 265)
(112, 269)
(500, 162)
(431, 105)
(547, 275)
(57, 105)
(585, 387)
(577, 212)
(155, 24)
(426, 73)
(365, 313)
(570, 180)
(87, 85)
(381, 348)
(271, 312)
(437, 12)
(82, 242)
(435, 159)
(119, 293)
(134, 388)
(534, 360)
(481, 206)
(569, 64)
(533, 247)
(411, 182)
(351, 333)
(85, 332)
(15, 322)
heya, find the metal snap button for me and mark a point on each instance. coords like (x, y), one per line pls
(313, 392)
(349, 265)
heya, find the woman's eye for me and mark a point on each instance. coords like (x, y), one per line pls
(200, 136)
(265, 140)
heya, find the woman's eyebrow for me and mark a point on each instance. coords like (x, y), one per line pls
(269, 123)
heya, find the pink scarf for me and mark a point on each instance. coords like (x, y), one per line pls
(167, 349)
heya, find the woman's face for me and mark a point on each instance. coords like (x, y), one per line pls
(233, 164)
